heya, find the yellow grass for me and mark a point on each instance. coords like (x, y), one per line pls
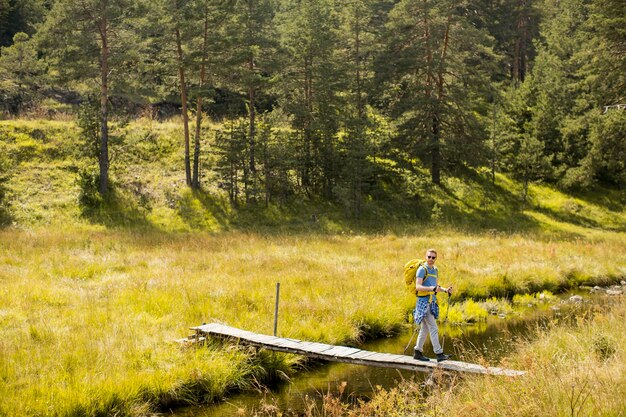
(88, 317)
(576, 371)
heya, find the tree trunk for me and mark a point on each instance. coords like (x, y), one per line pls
(183, 98)
(359, 140)
(251, 95)
(104, 112)
(436, 118)
(252, 119)
(518, 69)
(195, 183)
(267, 174)
(493, 148)
(432, 83)
(306, 170)
(359, 94)
(435, 168)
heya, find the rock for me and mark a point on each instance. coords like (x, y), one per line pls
(576, 299)
(596, 289)
(623, 283)
(614, 292)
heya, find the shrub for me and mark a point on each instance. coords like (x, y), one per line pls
(533, 299)
(4, 178)
(603, 347)
(88, 198)
(496, 306)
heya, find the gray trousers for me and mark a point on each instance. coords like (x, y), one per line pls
(429, 326)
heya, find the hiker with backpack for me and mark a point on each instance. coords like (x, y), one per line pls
(426, 308)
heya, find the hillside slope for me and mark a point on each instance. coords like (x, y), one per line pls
(47, 177)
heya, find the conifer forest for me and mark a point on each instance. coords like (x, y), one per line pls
(332, 99)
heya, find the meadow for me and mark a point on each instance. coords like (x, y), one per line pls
(89, 317)
(92, 300)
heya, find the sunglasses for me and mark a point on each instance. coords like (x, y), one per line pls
(432, 257)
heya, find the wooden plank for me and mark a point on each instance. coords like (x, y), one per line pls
(362, 354)
(263, 339)
(305, 345)
(381, 357)
(318, 347)
(343, 353)
(288, 344)
(410, 360)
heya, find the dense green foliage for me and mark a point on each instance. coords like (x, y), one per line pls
(323, 97)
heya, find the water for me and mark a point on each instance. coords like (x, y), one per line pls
(490, 342)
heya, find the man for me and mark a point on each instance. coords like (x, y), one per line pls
(426, 309)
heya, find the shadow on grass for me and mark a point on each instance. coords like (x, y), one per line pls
(201, 210)
(471, 204)
(5, 214)
(577, 219)
(498, 208)
(611, 199)
(298, 216)
(118, 209)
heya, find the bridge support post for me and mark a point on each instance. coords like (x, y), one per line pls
(276, 307)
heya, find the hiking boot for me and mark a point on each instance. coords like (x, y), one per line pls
(443, 357)
(420, 356)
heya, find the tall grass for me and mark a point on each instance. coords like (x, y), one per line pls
(576, 370)
(88, 317)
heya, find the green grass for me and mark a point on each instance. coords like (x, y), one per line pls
(45, 160)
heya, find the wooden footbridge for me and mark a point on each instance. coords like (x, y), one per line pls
(339, 353)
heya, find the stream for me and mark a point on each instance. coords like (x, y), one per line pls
(487, 341)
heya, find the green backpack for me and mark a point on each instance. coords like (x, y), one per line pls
(410, 269)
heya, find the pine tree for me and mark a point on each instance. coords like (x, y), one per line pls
(436, 75)
(358, 45)
(20, 16)
(565, 92)
(210, 50)
(252, 41)
(515, 146)
(95, 40)
(231, 151)
(603, 58)
(311, 81)
(21, 74)
(177, 18)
